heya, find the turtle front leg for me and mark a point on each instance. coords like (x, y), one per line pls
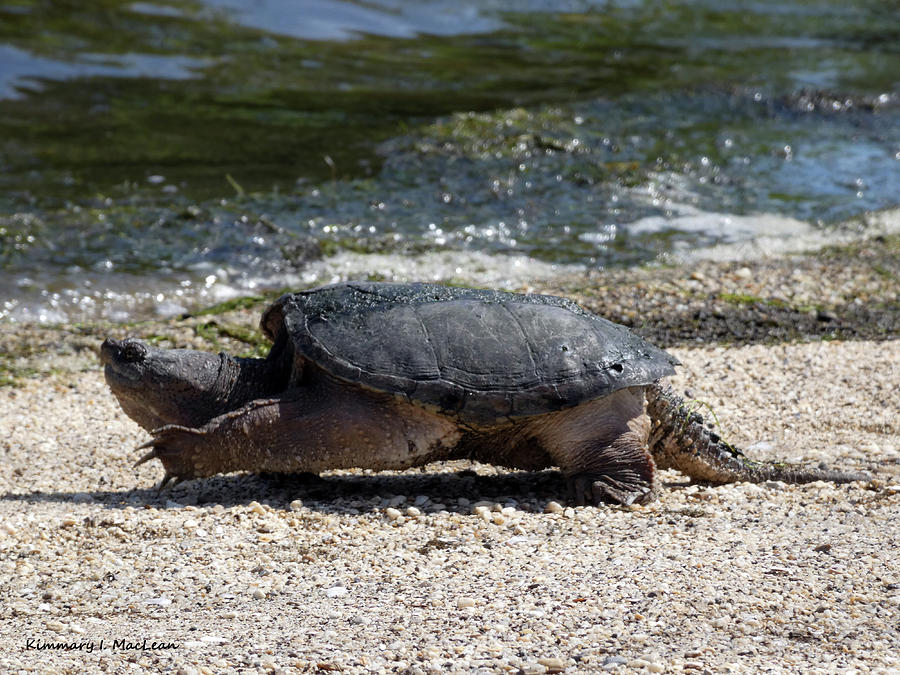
(226, 443)
(601, 448)
(323, 426)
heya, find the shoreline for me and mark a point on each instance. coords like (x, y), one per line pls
(851, 291)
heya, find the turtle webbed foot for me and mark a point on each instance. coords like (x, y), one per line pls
(178, 448)
(596, 489)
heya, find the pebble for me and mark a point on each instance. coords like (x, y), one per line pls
(613, 662)
(638, 663)
(296, 505)
(392, 513)
(336, 591)
(465, 602)
(160, 601)
(553, 664)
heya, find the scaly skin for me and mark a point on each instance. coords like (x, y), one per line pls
(679, 440)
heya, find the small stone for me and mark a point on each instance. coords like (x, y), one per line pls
(392, 513)
(256, 507)
(258, 594)
(296, 505)
(613, 662)
(553, 664)
(532, 669)
(638, 663)
(335, 591)
(413, 512)
(462, 603)
(159, 601)
(569, 512)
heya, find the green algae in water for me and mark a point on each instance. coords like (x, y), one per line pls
(547, 133)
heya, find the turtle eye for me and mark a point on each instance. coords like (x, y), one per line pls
(132, 351)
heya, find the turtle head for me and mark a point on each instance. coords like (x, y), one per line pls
(156, 387)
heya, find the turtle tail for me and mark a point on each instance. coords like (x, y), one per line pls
(680, 440)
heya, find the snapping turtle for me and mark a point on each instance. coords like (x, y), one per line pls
(390, 376)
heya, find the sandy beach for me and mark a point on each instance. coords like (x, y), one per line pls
(472, 568)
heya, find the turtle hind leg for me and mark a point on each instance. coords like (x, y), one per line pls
(601, 448)
(617, 475)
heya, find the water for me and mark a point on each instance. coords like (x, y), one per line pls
(156, 157)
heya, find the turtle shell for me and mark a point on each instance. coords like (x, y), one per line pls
(480, 354)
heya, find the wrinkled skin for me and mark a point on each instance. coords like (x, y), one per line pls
(156, 387)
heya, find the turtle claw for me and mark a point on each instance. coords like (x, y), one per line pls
(174, 446)
(168, 481)
(592, 490)
(147, 456)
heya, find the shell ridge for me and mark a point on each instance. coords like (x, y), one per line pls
(526, 338)
(428, 342)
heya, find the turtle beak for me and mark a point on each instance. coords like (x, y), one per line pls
(124, 361)
(108, 350)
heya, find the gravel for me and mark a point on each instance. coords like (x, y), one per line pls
(461, 567)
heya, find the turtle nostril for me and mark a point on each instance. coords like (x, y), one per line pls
(109, 349)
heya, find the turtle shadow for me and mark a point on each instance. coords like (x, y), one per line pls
(338, 494)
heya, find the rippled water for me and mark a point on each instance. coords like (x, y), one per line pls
(159, 156)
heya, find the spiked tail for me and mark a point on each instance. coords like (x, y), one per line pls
(680, 440)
